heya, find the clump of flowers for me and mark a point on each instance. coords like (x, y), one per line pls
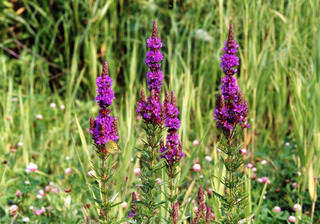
(104, 132)
(104, 127)
(231, 110)
(157, 116)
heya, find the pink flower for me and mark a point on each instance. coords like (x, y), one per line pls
(264, 162)
(243, 151)
(124, 204)
(13, 210)
(20, 144)
(39, 117)
(137, 171)
(91, 173)
(55, 190)
(195, 143)
(18, 193)
(196, 167)
(277, 209)
(48, 188)
(292, 219)
(67, 171)
(39, 211)
(39, 196)
(250, 165)
(295, 185)
(195, 209)
(208, 158)
(31, 168)
(41, 192)
(53, 105)
(264, 180)
(297, 207)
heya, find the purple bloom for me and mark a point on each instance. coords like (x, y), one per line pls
(150, 109)
(104, 127)
(172, 151)
(231, 109)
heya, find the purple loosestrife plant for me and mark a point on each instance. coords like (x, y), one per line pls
(104, 133)
(231, 115)
(172, 150)
(152, 112)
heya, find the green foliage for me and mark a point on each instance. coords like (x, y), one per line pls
(51, 51)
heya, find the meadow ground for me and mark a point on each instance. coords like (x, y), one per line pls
(51, 53)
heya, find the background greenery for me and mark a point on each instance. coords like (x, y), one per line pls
(52, 51)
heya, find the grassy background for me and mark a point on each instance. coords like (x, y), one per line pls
(51, 51)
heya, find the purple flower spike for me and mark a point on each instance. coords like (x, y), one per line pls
(104, 128)
(231, 109)
(150, 109)
(172, 151)
(153, 59)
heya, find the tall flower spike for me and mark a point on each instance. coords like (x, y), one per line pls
(151, 109)
(104, 128)
(172, 151)
(231, 109)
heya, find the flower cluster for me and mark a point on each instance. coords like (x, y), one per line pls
(150, 109)
(104, 127)
(172, 150)
(203, 212)
(153, 59)
(231, 109)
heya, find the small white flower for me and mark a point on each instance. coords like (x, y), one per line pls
(31, 168)
(292, 219)
(39, 196)
(195, 209)
(287, 144)
(20, 144)
(196, 167)
(41, 192)
(277, 209)
(208, 158)
(26, 219)
(67, 171)
(254, 169)
(27, 182)
(53, 105)
(14, 99)
(91, 173)
(264, 162)
(67, 158)
(243, 151)
(124, 204)
(195, 143)
(62, 107)
(39, 117)
(137, 171)
(250, 165)
(299, 173)
(13, 210)
(297, 207)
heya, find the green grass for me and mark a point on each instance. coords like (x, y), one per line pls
(53, 50)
